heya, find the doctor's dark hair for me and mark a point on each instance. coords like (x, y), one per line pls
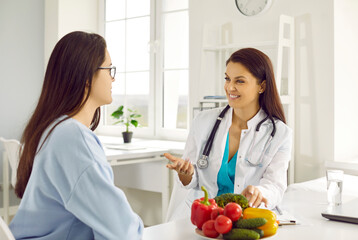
(260, 66)
(66, 88)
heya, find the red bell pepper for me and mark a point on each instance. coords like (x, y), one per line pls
(201, 209)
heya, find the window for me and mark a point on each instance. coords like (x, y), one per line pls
(149, 44)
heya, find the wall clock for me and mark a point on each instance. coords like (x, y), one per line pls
(253, 7)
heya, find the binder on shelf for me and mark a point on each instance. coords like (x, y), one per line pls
(214, 97)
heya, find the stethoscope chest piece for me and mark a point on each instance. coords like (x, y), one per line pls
(203, 162)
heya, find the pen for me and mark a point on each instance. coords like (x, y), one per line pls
(289, 222)
(279, 210)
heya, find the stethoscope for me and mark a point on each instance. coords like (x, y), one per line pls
(203, 161)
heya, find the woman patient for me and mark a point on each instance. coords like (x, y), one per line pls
(63, 177)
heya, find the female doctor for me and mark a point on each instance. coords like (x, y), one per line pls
(251, 147)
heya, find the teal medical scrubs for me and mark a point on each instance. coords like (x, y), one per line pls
(226, 175)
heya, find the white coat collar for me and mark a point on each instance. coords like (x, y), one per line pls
(261, 114)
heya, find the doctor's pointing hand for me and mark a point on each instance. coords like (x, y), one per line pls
(242, 148)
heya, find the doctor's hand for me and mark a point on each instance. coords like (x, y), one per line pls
(254, 196)
(183, 167)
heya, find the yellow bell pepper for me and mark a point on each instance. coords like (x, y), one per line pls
(260, 213)
(270, 227)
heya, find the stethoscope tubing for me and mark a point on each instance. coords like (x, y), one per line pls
(210, 141)
(203, 160)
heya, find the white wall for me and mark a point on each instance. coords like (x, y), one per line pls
(346, 79)
(64, 16)
(314, 67)
(21, 65)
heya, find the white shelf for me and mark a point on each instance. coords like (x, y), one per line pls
(285, 99)
(266, 44)
(214, 101)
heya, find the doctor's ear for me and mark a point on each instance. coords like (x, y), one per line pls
(262, 86)
(87, 87)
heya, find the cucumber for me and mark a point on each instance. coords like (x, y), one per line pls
(250, 223)
(241, 234)
(259, 231)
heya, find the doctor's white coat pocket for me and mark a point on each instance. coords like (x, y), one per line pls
(258, 159)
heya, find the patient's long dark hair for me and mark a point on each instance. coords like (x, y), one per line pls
(259, 65)
(66, 87)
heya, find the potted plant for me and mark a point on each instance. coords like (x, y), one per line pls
(128, 120)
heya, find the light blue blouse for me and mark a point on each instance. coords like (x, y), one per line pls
(226, 174)
(71, 194)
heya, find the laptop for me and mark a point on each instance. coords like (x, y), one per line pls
(346, 212)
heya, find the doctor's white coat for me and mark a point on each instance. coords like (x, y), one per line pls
(271, 178)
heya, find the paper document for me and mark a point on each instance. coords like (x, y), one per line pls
(284, 217)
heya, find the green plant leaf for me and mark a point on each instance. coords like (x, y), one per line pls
(118, 113)
(134, 115)
(125, 119)
(134, 122)
(120, 121)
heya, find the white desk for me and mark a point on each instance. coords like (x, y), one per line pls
(305, 203)
(143, 168)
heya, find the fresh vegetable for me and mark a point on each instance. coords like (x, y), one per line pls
(269, 229)
(209, 229)
(250, 223)
(259, 213)
(238, 233)
(201, 209)
(233, 211)
(226, 198)
(216, 212)
(259, 231)
(223, 224)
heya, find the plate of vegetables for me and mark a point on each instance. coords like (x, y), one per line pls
(228, 217)
(201, 234)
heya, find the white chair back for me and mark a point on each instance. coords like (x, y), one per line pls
(12, 148)
(10, 156)
(5, 233)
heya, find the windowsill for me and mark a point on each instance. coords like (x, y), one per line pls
(175, 147)
(144, 133)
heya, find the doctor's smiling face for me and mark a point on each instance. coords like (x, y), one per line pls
(241, 87)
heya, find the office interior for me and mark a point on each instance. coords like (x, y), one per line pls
(324, 89)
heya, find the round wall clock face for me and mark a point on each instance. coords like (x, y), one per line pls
(252, 7)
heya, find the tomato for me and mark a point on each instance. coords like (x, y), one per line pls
(216, 212)
(223, 224)
(233, 211)
(209, 229)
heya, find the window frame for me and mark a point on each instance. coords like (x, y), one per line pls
(155, 129)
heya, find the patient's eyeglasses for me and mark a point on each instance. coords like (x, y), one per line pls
(112, 70)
